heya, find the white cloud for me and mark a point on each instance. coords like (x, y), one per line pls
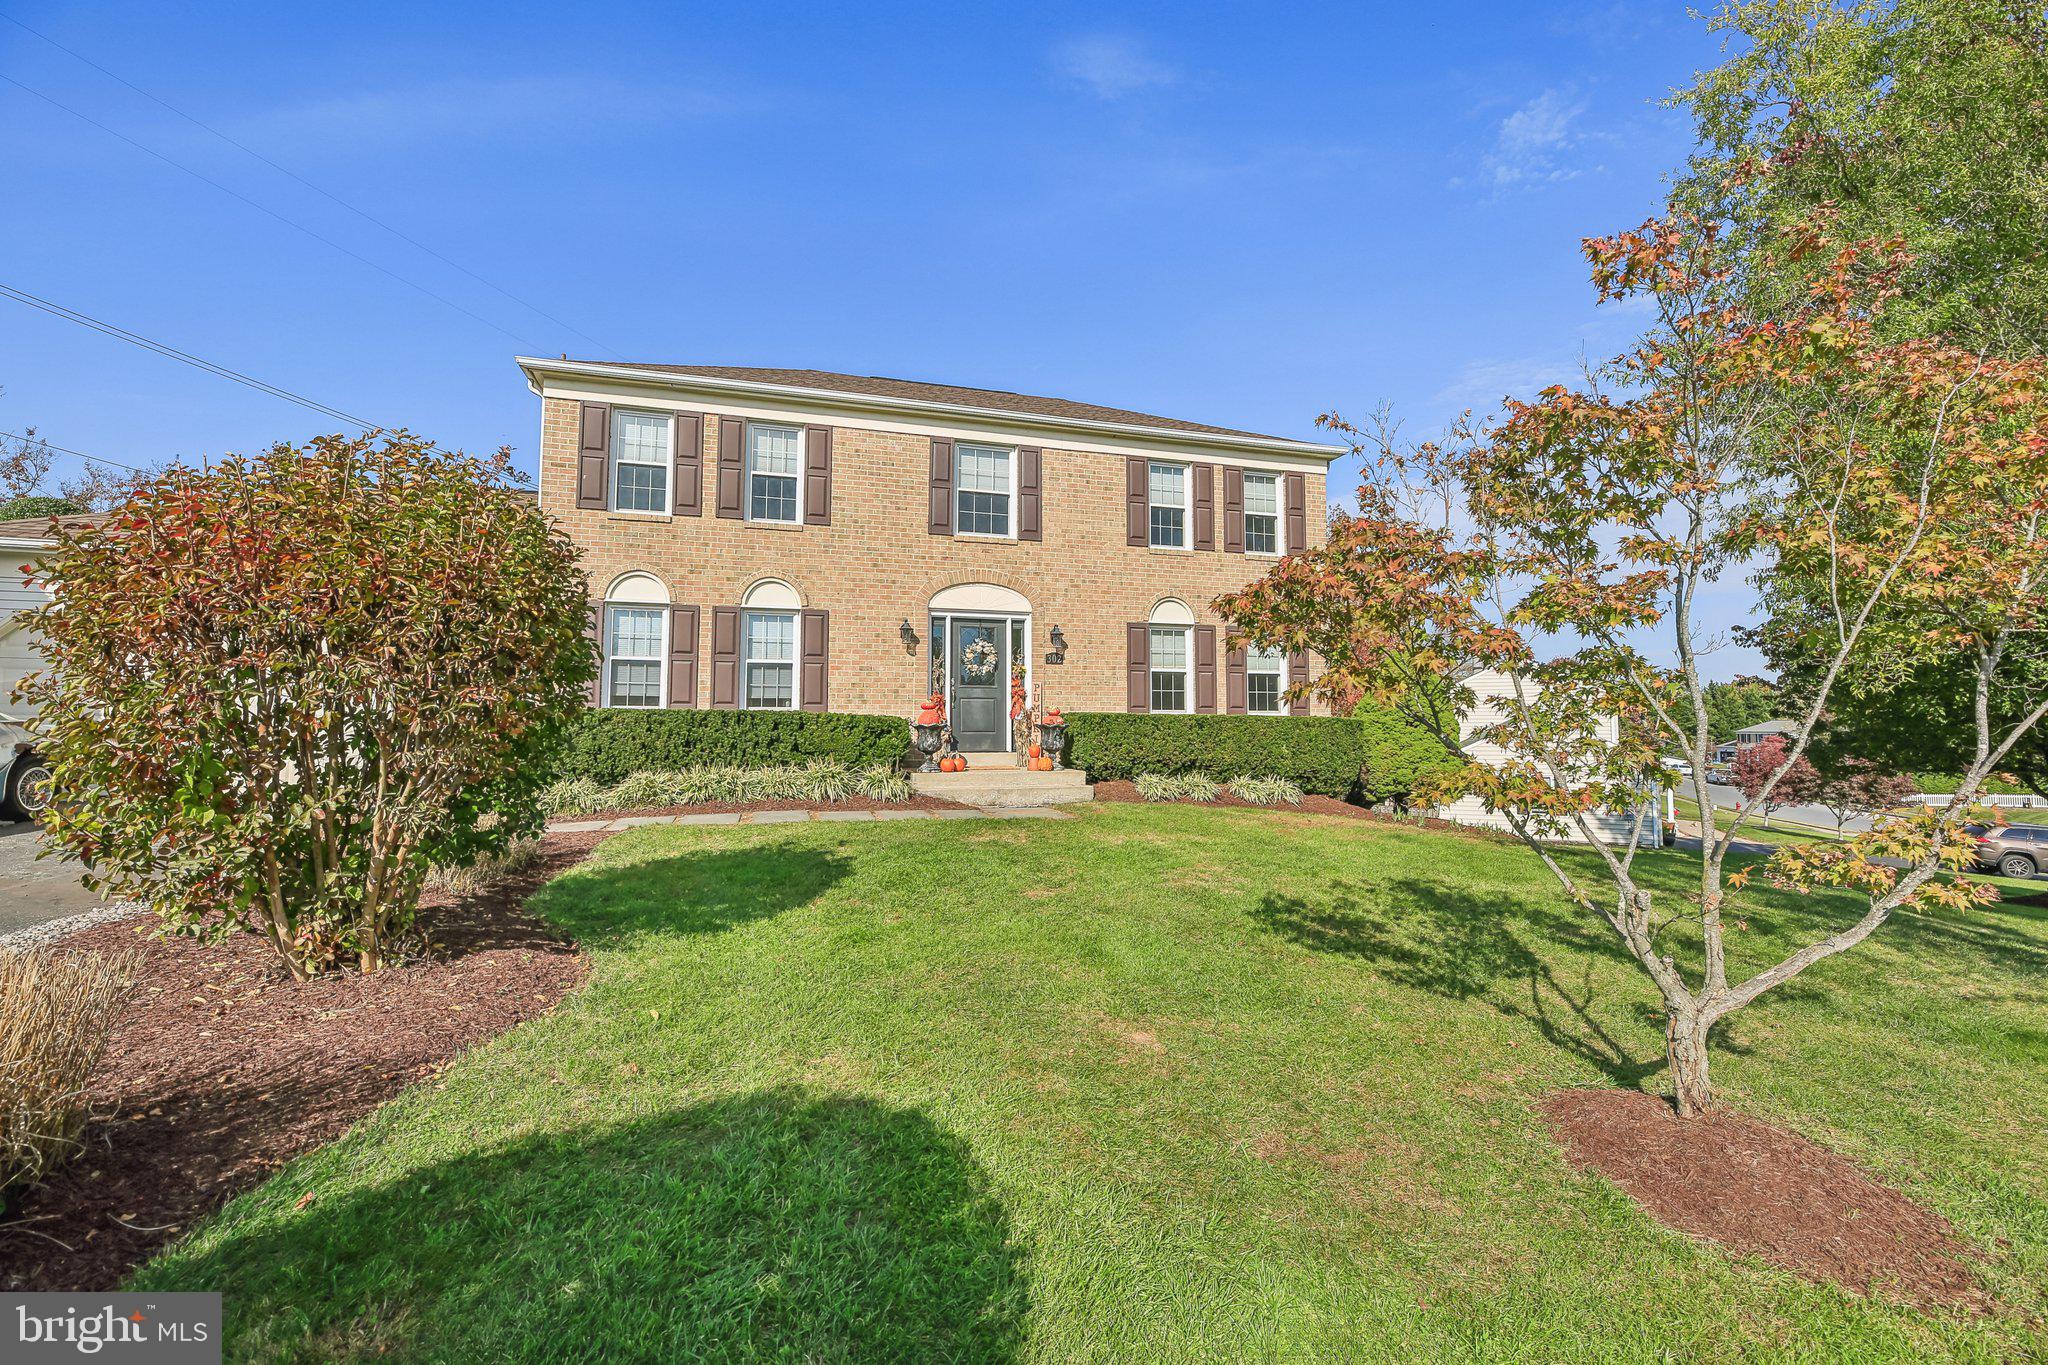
(473, 109)
(1110, 67)
(1533, 144)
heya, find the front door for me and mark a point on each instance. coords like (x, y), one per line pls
(981, 693)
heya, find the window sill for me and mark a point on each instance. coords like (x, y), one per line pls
(774, 525)
(619, 513)
(985, 536)
(1172, 549)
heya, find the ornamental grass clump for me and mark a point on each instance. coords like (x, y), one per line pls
(56, 1012)
(1176, 787)
(1266, 791)
(281, 689)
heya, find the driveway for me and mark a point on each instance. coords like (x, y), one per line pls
(33, 891)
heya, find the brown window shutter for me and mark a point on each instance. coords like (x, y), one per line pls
(725, 657)
(1205, 507)
(1235, 696)
(682, 656)
(732, 443)
(593, 631)
(1297, 513)
(1205, 669)
(815, 654)
(1297, 674)
(1138, 672)
(1137, 500)
(689, 437)
(941, 516)
(1028, 493)
(594, 457)
(817, 476)
(1233, 511)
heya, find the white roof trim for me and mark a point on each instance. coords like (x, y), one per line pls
(536, 368)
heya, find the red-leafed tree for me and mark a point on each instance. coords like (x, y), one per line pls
(278, 690)
(1734, 439)
(1770, 776)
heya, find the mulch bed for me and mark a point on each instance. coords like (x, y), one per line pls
(743, 807)
(1764, 1192)
(1315, 805)
(221, 1069)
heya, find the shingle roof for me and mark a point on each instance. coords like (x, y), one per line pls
(998, 400)
(38, 528)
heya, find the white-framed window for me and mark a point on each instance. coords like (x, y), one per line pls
(1265, 681)
(775, 463)
(640, 461)
(635, 652)
(984, 488)
(1172, 654)
(768, 661)
(1167, 496)
(1262, 514)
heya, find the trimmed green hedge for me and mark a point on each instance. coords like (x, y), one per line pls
(1373, 756)
(607, 745)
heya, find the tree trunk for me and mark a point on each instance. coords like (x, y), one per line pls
(1685, 1039)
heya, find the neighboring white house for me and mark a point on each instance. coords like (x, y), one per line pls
(1495, 693)
(21, 543)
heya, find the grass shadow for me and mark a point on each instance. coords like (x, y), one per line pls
(780, 1224)
(611, 899)
(1451, 942)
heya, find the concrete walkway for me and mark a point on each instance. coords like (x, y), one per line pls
(36, 890)
(798, 817)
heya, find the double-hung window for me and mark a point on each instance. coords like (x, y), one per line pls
(1261, 514)
(1168, 496)
(774, 464)
(633, 653)
(639, 462)
(1265, 680)
(1170, 658)
(770, 661)
(984, 489)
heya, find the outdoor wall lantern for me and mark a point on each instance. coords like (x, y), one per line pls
(908, 636)
(1058, 640)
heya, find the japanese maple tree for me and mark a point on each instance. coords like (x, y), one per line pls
(1856, 786)
(1549, 545)
(1770, 776)
(281, 688)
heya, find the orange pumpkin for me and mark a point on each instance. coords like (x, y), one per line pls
(1033, 750)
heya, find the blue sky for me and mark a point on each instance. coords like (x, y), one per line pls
(1237, 214)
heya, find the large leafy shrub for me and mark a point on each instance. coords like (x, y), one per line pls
(610, 745)
(821, 781)
(282, 688)
(1374, 755)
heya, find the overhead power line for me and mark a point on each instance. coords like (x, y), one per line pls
(273, 213)
(66, 450)
(186, 357)
(283, 170)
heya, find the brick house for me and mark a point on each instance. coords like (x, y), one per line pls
(802, 539)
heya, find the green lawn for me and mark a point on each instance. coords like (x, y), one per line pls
(1152, 1083)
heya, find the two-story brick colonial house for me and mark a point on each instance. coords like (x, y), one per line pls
(798, 538)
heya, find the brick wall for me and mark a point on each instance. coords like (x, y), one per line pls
(876, 565)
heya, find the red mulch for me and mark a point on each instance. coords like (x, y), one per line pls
(1764, 1192)
(742, 807)
(1314, 805)
(221, 1069)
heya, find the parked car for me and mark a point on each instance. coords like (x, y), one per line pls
(1679, 766)
(24, 775)
(2011, 850)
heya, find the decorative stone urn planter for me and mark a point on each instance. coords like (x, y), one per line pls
(928, 731)
(1052, 735)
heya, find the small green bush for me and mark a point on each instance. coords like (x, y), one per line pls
(1266, 791)
(1373, 756)
(1175, 787)
(607, 745)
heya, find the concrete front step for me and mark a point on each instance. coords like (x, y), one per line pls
(1005, 786)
